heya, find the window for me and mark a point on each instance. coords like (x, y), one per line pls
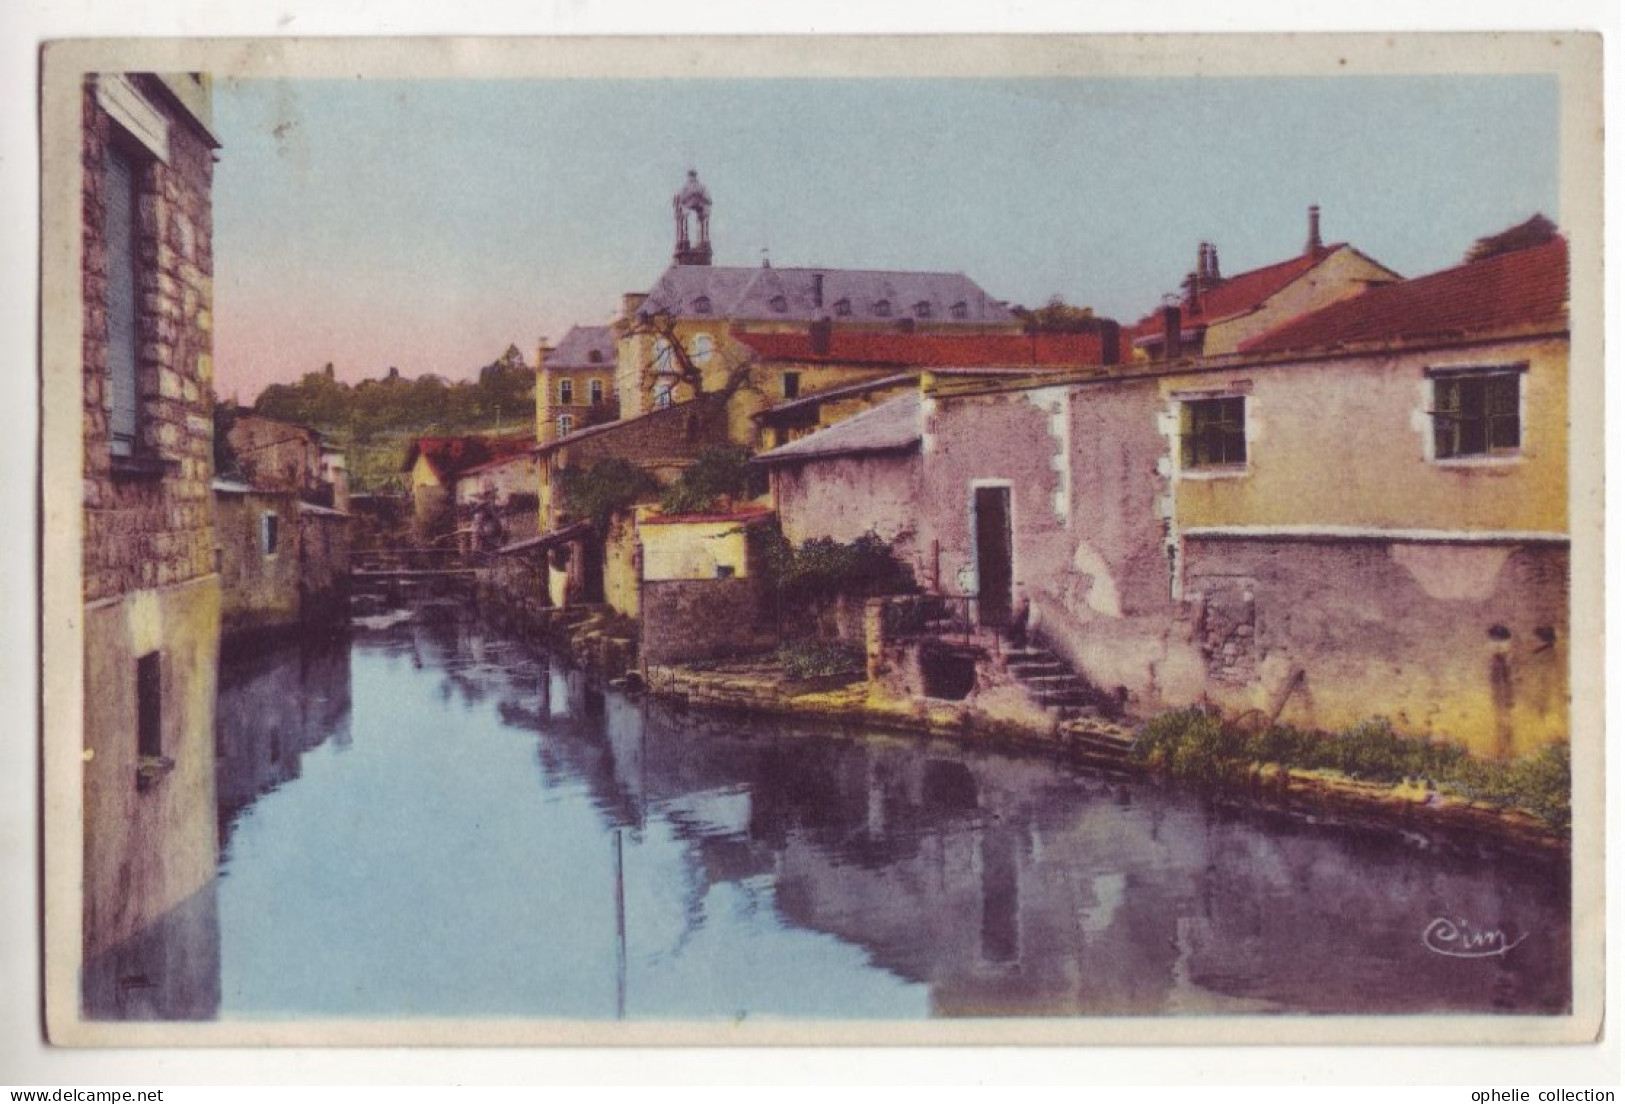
(150, 764)
(123, 281)
(702, 305)
(701, 349)
(779, 304)
(959, 310)
(567, 392)
(663, 355)
(663, 391)
(566, 423)
(595, 391)
(595, 356)
(883, 309)
(792, 384)
(922, 309)
(1476, 414)
(843, 308)
(268, 534)
(1213, 433)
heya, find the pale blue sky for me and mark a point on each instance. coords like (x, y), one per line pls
(428, 224)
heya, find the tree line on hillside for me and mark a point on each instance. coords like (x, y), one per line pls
(502, 397)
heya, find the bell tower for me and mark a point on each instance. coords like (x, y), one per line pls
(692, 249)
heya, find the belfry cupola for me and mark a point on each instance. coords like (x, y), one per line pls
(695, 248)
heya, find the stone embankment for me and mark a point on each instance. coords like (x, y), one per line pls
(762, 687)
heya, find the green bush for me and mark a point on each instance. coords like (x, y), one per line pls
(598, 493)
(1197, 746)
(806, 659)
(824, 568)
(720, 472)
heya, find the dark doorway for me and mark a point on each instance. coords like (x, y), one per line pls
(593, 551)
(993, 568)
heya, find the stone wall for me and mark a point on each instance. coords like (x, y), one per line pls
(261, 588)
(689, 619)
(324, 565)
(147, 519)
(844, 497)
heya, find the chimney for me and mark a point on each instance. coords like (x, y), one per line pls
(630, 302)
(818, 289)
(1313, 246)
(1170, 333)
(820, 333)
(1110, 342)
(1213, 264)
(1202, 263)
(1193, 285)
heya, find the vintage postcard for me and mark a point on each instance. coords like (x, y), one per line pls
(853, 541)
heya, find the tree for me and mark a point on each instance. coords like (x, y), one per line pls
(1057, 316)
(598, 493)
(1534, 231)
(719, 473)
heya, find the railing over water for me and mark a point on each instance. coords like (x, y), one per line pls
(939, 616)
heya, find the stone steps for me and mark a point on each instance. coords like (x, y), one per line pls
(1056, 686)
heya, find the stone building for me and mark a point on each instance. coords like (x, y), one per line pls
(684, 328)
(1215, 314)
(1362, 512)
(575, 383)
(433, 465)
(151, 592)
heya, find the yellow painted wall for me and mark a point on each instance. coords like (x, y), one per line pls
(1340, 275)
(692, 550)
(621, 584)
(1347, 443)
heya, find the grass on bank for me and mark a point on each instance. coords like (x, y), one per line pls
(1198, 746)
(808, 659)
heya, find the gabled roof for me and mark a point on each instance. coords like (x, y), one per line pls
(1510, 291)
(451, 456)
(892, 426)
(881, 383)
(755, 294)
(1241, 293)
(576, 348)
(526, 454)
(934, 350)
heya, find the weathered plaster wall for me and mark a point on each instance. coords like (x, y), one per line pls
(693, 549)
(621, 581)
(324, 562)
(146, 850)
(1348, 442)
(1468, 642)
(844, 497)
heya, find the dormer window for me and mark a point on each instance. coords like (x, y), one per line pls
(922, 309)
(779, 304)
(595, 356)
(843, 308)
(883, 308)
(702, 304)
(959, 310)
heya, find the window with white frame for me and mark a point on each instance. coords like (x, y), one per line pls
(1213, 433)
(701, 349)
(663, 394)
(565, 423)
(595, 391)
(567, 392)
(1476, 413)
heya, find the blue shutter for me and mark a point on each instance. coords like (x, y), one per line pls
(118, 197)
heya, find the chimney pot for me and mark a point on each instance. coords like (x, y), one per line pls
(1314, 244)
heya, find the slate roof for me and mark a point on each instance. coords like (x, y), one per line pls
(892, 426)
(935, 350)
(1511, 291)
(753, 294)
(576, 347)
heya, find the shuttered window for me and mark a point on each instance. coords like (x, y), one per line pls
(119, 225)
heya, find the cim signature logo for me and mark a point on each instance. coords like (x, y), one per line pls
(1459, 939)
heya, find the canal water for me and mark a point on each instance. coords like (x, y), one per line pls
(428, 819)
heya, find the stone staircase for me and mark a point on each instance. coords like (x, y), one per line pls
(1084, 712)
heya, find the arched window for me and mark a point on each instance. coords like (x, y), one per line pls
(567, 392)
(922, 309)
(779, 304)
(702, 304)
(566, 423)
(595, 391)
(701, 348)
(883, 308)
(843, 307)
(959, 310)
(595, 356)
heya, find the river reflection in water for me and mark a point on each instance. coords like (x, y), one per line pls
(432, 821)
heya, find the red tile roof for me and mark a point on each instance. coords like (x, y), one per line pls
(1240, 293)
(451, 456)
(933, 350)
(1528, 288)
